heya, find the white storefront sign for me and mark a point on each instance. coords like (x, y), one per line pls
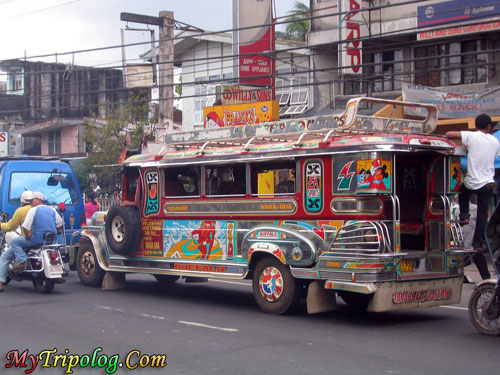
(4, 144)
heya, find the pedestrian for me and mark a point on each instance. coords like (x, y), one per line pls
(91, 206)
(482, 148)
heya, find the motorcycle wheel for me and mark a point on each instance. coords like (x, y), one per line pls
(484, 322)
(43, 285)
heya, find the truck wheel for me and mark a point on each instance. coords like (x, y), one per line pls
(166, 279)
(42, 284)
(89, 271)
(123, 229)
(275, 290)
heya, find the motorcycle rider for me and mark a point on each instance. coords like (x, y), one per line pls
(11, 228)
(39, 220)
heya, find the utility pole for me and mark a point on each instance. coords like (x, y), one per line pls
(166, 71)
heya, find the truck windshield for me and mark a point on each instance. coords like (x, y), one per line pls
(54, 187)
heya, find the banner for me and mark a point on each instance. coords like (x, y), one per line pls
(241, 114)
(352, 27)
(453, 103)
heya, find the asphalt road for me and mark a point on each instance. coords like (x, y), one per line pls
(216, 328)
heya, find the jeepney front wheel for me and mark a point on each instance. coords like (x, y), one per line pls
(89, 271)
(275, 290)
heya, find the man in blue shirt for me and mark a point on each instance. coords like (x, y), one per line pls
(40, 219)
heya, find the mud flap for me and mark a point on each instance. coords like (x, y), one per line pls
(114, 281)
(319, 299)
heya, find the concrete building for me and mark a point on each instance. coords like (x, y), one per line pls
(384, 48)
(44, 105)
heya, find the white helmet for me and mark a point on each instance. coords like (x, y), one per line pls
(27, 196)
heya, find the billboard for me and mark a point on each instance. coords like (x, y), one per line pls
(139, 76)
(255, 43)
(241, 114)
(4, 144)
(352, 28)
(243, 94)
(456, 11)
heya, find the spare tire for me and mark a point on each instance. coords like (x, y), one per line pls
(123, 229)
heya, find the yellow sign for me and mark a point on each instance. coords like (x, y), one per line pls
(241, 114)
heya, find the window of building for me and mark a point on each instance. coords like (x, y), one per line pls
(223, 180)
(15, 85)
(54, 142)
(182, 182)
(273, 178)
(455, 63)
(204, 97)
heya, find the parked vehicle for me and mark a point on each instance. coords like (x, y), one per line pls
(56, 180)
(484, 303)
(355, 206)
(44, 266)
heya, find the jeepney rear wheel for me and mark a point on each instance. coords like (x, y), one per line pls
(275, 290)
(123, 229)
(166, 279)
(356, 301)
(89, 271)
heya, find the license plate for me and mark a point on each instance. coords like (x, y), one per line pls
(406, 265)
(55, 268)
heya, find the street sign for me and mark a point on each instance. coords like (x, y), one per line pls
(139, 18)
(4, 144)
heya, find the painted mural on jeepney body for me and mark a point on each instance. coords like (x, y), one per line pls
(220, 240)
(361, 173)
(314, 186)
(152, 205)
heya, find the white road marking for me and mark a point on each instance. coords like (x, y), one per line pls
(455, 308)
(207, 326)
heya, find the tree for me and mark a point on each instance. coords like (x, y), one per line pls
(299, 25)
(106, 140)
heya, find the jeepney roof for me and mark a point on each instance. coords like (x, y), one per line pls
(347, 133)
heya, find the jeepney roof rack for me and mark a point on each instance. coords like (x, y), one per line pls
(298, 130)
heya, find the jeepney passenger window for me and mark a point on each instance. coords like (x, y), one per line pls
(182, 181)
(225, 180)
(273, 179)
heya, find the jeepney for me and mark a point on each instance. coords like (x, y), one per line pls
(353, 206)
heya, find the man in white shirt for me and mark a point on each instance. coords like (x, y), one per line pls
(482, 148)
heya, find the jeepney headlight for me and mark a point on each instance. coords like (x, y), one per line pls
(297, 253)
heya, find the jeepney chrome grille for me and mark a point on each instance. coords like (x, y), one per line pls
(457, 236)
(362, 237)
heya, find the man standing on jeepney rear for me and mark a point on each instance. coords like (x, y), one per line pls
(482, 148)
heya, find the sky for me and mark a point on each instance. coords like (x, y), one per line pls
(40, 27)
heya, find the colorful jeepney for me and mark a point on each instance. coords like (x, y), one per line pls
(353, 206)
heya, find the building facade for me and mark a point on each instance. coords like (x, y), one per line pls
(390, 48)
(44, 105)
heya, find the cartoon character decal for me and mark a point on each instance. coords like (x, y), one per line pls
(455, 176)
(152, 205)
(374, 175)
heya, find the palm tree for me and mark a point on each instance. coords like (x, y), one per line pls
(298, 26)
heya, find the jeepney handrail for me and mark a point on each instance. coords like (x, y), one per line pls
(347, 122)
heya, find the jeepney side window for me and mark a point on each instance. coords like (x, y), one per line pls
(182, 181)
(131, 181)
(273, 178)
(225, 180)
